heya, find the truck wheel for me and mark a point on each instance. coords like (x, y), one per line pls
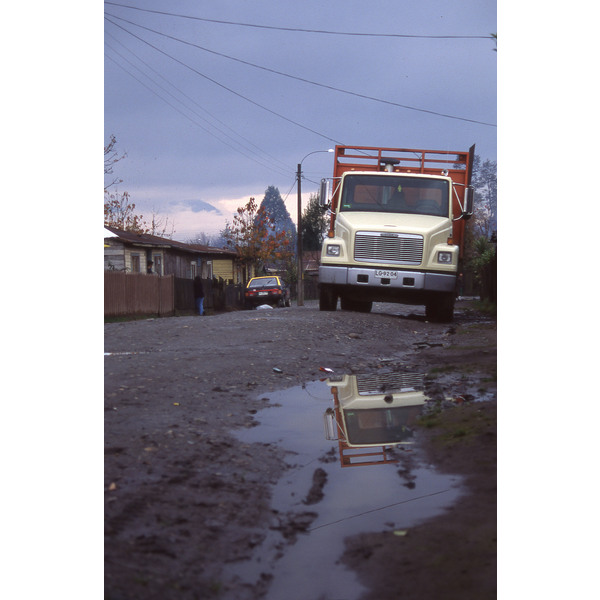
(364, 307)
(346, 303)
(356, 305)
(327, 298)
(440, 308)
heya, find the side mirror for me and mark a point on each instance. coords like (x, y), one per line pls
(324, 192)
(331, 430)
(468, 207)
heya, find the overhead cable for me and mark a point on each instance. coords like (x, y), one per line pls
(323, 85)
(224, 86)
(270, 157)
(300, 30)
(253, 158)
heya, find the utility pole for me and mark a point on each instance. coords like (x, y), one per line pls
(300, 296)
(300, 299)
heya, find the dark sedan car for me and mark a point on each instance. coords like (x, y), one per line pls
(266, 290)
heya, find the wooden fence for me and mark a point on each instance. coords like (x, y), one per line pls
(138, 294)
(130, 294)
(218, 295)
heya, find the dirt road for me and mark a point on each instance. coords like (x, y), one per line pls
(185, 499)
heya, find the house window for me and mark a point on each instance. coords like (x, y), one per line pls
(158, 269)
(135, 263)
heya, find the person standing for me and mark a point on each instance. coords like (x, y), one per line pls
(199, 294)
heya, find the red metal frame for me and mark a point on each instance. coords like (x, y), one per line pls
(410, 160)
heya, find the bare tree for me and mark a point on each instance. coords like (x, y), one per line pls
(119, 212)
(160, 225)
(111, 157)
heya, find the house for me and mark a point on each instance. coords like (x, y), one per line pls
(133, 252)
(311, 259)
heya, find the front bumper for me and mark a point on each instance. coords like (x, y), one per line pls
(398, 279)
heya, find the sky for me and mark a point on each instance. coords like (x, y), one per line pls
(213, 102)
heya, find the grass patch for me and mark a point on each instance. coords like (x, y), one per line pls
(458, 423)
(485, 306)
(440, 370)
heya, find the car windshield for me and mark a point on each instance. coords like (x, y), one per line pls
(373, 193)
(263, 282)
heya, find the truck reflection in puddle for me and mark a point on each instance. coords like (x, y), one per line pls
(373, 412)
(316, 504)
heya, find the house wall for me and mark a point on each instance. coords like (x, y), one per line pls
(136, 258)
(223, 268)
(121, 255)
(204, 267)
(180, 265)
(114, 258)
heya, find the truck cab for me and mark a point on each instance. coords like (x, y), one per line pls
(396, 230)
(372, 414)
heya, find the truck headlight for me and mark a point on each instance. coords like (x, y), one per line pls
(333, 250)
(445, 258)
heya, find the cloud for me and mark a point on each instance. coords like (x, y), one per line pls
(191, 218)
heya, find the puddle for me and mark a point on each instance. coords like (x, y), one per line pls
(353, 468)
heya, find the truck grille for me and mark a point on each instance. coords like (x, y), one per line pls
(401, 248)
(389, 383)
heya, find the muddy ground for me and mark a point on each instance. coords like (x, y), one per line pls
(184, 499)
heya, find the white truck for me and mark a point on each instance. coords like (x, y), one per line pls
(397, 228)
(373, 413)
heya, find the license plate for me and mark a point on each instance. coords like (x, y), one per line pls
(386, 274)
(263, 293)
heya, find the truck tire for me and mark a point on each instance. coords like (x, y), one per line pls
(440, 308)
(346, 303)
(364, 307)
(356, 305)
(327, 298)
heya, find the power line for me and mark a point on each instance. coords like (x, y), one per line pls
(224, 86)
(322, 85)
(266, 154)
(271, 167)
(300, 30)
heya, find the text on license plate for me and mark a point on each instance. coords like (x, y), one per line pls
(386, 274)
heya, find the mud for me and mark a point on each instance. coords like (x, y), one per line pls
(187, 502)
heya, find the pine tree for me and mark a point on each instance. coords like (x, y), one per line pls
(314, 225)
(274, 207)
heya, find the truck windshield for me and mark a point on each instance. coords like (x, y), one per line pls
(376, 193)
